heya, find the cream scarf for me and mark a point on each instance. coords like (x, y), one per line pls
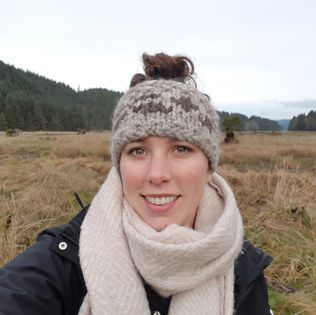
(196, 267)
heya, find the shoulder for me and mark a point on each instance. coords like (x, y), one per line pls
(46, 278)
(250, 263)
(251, 295)
(66, 237)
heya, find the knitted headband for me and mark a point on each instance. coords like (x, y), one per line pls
(165, 108)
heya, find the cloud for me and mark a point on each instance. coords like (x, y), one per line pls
(272, 109)
(306, 104)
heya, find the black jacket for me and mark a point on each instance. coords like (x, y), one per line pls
(46, 279)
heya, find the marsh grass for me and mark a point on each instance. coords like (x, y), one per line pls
(38, 174)
(273, 177)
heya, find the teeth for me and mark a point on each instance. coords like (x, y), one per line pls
(160, 201)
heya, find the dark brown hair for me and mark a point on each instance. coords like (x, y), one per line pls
(137, 78)
(163, 66)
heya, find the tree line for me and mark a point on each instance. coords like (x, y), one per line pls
(236, 121)
(304, 122)
(31, 102)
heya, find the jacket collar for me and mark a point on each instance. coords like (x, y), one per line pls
(248, 267)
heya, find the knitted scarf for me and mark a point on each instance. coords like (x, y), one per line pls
(118, 251)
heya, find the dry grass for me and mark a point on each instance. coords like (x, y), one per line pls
(38, 174)
(273, 176)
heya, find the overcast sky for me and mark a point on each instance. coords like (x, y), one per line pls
(256, 57)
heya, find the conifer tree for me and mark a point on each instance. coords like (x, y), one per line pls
(3, 122)
(10, 116)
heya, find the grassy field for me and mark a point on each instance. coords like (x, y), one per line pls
(273, 176)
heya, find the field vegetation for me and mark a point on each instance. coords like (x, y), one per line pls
(273, 176)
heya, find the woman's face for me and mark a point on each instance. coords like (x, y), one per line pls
(163, 180)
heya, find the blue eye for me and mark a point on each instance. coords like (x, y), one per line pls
(136, 151)
(182, 149)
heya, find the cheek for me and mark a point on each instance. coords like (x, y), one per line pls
(131, 177)
(193, 182)
(197, 173)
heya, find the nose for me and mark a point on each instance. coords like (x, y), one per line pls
(158, 170)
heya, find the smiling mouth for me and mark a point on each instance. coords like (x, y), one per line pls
(160, 201)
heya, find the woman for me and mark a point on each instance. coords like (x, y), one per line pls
(163, 235)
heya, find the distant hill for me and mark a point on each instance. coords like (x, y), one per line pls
(253, 123)
(304, 122)
(284, 123)
(32, 102)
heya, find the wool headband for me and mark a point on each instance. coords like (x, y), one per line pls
(165, 108)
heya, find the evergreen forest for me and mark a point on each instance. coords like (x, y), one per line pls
(32, 102)
(304, 122)
(253, 123)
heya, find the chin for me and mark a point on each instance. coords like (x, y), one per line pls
(160, 225)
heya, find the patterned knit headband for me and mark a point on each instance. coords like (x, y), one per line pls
(165, 108)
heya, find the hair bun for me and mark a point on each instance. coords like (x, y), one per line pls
(163, 66)
(137, 78)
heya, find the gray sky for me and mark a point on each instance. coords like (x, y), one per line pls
(253, 57)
